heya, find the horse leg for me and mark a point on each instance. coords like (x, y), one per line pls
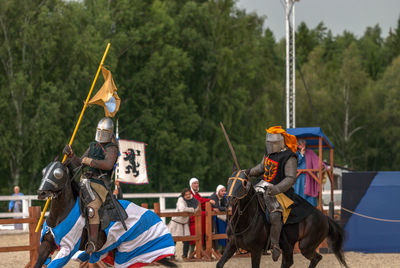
(317, 258)
(47, 246)
(255, 258)
(315, 228)
(314, 258)
(167, 263)
(309, 252)
(228, 253)
(287, 256)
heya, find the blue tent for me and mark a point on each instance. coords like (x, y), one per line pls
(313, 135)
(370, 211)
(307, 132)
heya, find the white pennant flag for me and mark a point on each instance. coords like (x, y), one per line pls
(132, 162)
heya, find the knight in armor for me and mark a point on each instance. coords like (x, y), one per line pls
(100, 159)
(279, 170)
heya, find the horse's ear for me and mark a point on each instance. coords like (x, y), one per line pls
(234, 168)
(56, 159)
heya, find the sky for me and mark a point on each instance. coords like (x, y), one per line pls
(338, 15)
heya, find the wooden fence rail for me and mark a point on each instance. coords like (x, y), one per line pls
(34, 238)
(200, 254)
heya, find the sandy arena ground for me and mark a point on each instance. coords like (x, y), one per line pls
(354, 259)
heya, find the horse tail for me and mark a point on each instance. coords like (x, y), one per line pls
(336, 236)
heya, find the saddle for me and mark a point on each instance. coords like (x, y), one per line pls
(299, 210)
(261, 202)
(110, 211)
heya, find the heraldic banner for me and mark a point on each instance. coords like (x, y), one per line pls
(132, 162)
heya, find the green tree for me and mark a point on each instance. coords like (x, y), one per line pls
(373, 51)
(392, 42)
(45, 58)
(387, 100)
(307, 40)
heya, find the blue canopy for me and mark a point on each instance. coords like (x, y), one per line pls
(306, 132)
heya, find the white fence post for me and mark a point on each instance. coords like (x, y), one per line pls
(162, 206)
(25, 212)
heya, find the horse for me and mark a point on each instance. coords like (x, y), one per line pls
(64, 228)
(249, 229)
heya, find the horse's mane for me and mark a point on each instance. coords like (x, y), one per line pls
(75, 188)
(74, 184)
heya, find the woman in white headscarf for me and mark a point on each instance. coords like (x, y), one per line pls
(179, 226)
(219, 198)
(194, 189)
(221, 204)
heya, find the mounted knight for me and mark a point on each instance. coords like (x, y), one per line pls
(279, 169)
(95, 182)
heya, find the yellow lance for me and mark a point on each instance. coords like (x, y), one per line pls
(75, 130)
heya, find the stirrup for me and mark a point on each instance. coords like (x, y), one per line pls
(90, 247)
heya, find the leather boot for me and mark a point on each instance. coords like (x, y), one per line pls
(275, 232)
(92, 238)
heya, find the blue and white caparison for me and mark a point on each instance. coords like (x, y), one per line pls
(146, 240)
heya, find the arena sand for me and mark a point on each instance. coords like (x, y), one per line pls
(354, 259)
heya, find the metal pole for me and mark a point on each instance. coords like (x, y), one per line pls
(116, 173)
(287, 4)
(290, 65)
(293, 69)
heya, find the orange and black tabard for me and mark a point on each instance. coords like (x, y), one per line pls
(274, 166)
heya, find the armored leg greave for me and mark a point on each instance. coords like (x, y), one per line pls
(94, 223)
(275, 214)
(275, 232)
(93, 233)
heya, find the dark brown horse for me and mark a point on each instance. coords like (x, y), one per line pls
(248, 229)
(58, 183)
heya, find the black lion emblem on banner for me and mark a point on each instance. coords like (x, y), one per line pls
(133, 164)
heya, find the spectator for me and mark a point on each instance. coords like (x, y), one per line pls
(118, 191)
(194, 189)
(221, 204)
(306, 186)
(219, 198)
(16, 206)
(179, 226)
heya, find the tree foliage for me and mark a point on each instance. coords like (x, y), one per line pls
(181, 67)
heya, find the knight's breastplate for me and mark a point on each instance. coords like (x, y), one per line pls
(274, 164)
(97, 152)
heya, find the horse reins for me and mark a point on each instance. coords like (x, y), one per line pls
(240, 213)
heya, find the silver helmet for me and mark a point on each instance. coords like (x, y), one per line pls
(104, 132)
(274, 143)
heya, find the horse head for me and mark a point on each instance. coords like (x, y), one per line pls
(55, 176)
(238, 186)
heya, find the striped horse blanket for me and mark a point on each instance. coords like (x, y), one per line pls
(146, 240)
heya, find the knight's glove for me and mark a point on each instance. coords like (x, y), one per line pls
(87, 161)
(68, 151)
(272, 190)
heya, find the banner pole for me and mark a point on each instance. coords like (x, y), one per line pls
(75, 130)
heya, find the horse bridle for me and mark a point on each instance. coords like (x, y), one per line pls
(238, 210)
(240, 213)
(235, 179)
(78, 169)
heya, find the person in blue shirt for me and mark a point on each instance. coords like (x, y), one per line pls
(306, 186)
(221, 204)
(16, 206)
